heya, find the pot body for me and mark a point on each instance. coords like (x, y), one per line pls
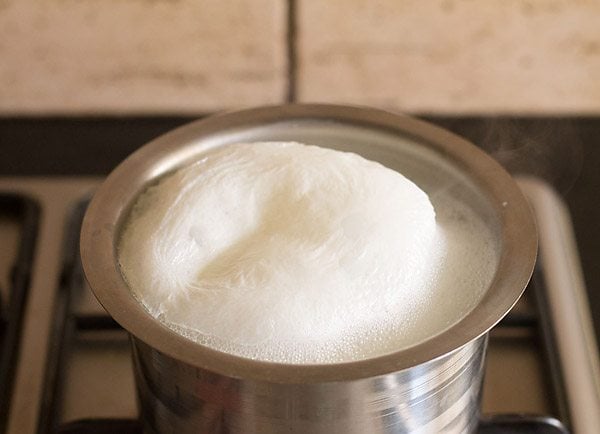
(442, 395)
(431, 387)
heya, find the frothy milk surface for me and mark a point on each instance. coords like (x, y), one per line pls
(300, 254)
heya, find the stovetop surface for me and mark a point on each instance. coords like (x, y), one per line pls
(90, 365)
(83, 333)
(504, 425)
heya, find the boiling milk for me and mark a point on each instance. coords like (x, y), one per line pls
(299, 254)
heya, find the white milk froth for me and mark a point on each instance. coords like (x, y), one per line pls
(299, 254)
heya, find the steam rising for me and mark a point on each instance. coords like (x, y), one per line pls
(547, 149)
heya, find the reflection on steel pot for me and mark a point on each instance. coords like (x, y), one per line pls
(431, 387)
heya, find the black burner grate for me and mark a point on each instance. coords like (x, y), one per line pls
(68, 325)
(25, 211)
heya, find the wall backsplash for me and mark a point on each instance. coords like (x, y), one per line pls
(187, 56)
(140, 56)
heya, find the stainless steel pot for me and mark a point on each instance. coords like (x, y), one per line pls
(184, 387)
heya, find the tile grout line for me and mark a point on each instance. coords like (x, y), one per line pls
(291, 51)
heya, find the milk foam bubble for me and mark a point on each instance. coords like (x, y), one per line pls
(299, 254)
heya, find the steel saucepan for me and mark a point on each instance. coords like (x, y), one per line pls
(434, 386)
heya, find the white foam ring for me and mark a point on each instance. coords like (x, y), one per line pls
(298, 254)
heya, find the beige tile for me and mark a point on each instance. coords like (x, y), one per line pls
(140, 56)
(452, 55)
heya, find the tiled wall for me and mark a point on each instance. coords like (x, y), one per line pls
(194, 56)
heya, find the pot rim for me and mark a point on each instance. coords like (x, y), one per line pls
(101, 227)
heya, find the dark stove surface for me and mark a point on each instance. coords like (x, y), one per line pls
(500, 425)
(68, 153)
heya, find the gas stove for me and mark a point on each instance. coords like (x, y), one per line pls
(65, 365)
